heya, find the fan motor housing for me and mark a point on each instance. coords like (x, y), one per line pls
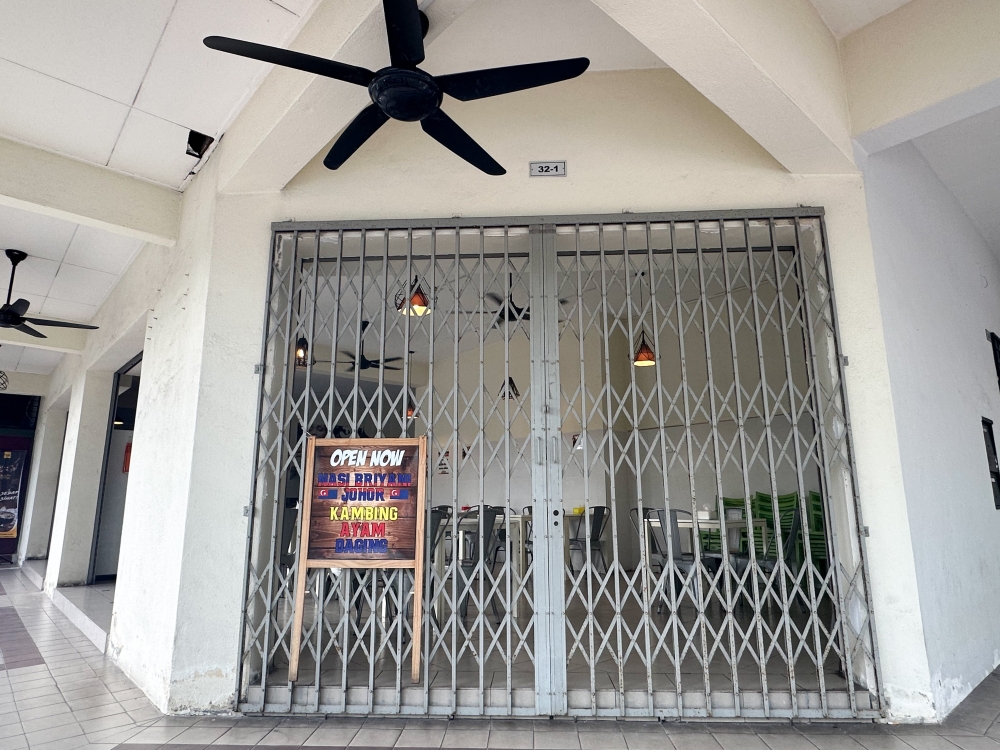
(404, 94)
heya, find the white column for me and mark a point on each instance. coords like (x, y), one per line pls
(179, 593)
(79, 480)
(40, 498)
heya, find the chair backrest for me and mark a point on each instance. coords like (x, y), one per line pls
(599, 522)
(487, 518)
(675, 532)
(440, 515)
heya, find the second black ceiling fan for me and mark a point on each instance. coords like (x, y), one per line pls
(404, 92)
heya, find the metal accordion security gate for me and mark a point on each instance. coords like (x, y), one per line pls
(641, 500)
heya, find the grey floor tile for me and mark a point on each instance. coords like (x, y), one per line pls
(420, 737)
(929, 741)
(466, 738)
(366, 737)
(647, 740)
(694, 742)
(97, 712)
(115, 735)
(881, 742)
(555, 739)
(741, 741)
(511, 738)
(198, 736)
(69, 743)
(834, 742)
(976, 743)
(790, 740)
(591, 740)
(17, 742)
(50, 734)
(243, 736)
(285, 735)
(113, 721)
(158, 735)
(10, 729)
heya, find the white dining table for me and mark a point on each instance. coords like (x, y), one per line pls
(687, 523)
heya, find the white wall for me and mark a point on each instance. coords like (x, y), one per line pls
(938, 283)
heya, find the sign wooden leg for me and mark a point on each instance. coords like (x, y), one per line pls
(300, 597)
(418, 624)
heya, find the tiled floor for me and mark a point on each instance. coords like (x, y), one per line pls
(78, 699)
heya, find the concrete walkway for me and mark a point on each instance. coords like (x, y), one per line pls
(58, 692)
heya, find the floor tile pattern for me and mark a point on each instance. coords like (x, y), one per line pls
(17, 649)
(78, 699)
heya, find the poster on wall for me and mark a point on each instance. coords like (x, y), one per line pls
(363, 508)
(11, 473)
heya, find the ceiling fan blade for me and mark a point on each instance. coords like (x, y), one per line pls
(30, 331)
(405, 32)
(58, 323)
(21, 306)
(362, 127)
(348, 354)
(494, 298)
(446, 131)
(478, 84)
(390, 367)
(392, 359)
(288, 59)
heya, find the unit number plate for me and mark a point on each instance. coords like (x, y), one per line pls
(547, 169)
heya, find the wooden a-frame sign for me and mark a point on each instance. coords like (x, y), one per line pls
(363, 508)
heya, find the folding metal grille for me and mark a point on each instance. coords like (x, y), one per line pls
(679, 539)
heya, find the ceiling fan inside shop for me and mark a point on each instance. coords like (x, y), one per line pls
(402, 91)
(361, 362)
(13, 315)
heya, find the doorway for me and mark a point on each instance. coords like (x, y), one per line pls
(114, 475)
(642, 426)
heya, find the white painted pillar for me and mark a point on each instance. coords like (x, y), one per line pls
(40, 498)
(79, 480)
(178, 601)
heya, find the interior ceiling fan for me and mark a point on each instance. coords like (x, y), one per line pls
(507, 311)
(404, 92)
(13, 315)
(362, 362)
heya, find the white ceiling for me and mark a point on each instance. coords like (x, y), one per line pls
(69, 271)
(966, 156)
(493, 33)
(26, 359)
(846, 16)
(120, 82)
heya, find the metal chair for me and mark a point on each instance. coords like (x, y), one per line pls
(598, 523)
(471, 555)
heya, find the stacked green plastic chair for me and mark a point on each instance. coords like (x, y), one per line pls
(817, 534)
(786, 509)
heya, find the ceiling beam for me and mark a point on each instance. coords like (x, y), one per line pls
(773, 68)
(70, 340)
(926, 65)
(46, 183)
(294, 115)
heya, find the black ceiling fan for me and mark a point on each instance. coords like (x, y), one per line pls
(362, 362)
(13, 315)
(404, 92)
(507, 311)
